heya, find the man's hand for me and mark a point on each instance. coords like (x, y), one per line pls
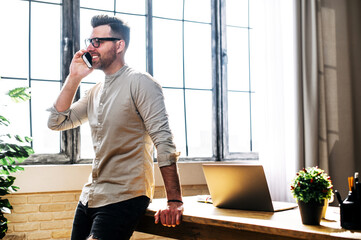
(78, 70)
(171, 216)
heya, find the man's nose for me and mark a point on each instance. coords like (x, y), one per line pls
(90, 47)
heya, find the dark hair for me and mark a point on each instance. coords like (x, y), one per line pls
(118, 27)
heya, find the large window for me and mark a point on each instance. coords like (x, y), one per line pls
(240, 91)
(30, 40)
(199, 51)
(182, 62)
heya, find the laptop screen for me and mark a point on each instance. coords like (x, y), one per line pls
(238, 186)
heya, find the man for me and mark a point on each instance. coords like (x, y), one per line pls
(126, 113)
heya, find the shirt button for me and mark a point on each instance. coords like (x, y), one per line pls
(98, 124)
(101, 104)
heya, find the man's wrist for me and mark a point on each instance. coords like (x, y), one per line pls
(74, 79)
(175, 200)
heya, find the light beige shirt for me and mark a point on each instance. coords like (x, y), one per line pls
(126, 113)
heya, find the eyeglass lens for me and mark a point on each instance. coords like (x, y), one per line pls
(94, 41)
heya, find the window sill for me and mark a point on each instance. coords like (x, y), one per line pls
(72, 177)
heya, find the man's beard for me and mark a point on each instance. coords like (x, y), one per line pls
(105, 60)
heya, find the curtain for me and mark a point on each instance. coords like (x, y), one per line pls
(275, 70)
(308, 90)
(327, 123)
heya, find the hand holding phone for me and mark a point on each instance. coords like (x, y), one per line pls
(87, 58)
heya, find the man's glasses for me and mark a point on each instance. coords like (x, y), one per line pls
(97, 41)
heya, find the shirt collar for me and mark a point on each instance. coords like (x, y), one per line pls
(110, 78)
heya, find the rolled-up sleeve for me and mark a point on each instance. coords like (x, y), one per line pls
(149, 99)
(71, 118)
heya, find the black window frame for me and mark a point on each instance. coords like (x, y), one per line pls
(70, 139)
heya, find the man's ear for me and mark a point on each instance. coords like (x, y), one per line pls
(120, 46)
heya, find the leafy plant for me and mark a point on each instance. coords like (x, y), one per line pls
(312, 184)
(13, 149)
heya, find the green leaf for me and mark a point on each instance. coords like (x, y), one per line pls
(12, 152)
(4, 192)
(15, 188)
(4, 170)
(4, 121)
(20, 94)
(28, 139)
(18, 168)
(4, 203)
(18, 138)
(5, 210)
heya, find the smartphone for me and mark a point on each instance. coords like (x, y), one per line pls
(87, 59)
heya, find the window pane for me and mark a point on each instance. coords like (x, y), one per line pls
(42, 97)
(103, 4)
(136, 54)
(167, 52)
(133, 6)
(238, 122)
(16, 113)
(14, 21)
(237, 12)
(174, 102)
(168, 8)
(238, 60)
(53, 1)
(199, 123)
(199, 10)
(197, 55)
(85, 26)
(45, 41)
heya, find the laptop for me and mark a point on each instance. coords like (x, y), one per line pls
(241, 187)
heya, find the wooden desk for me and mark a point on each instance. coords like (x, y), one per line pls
(204, 221)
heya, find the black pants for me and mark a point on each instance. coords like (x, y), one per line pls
(111, 222)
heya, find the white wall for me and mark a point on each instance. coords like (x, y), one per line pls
(53, 178)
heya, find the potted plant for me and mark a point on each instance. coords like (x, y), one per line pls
(13, 149)
(311, 187)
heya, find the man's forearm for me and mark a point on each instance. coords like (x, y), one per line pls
(172, 215)
(171, 182)
(66, 96)
(77, 71)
